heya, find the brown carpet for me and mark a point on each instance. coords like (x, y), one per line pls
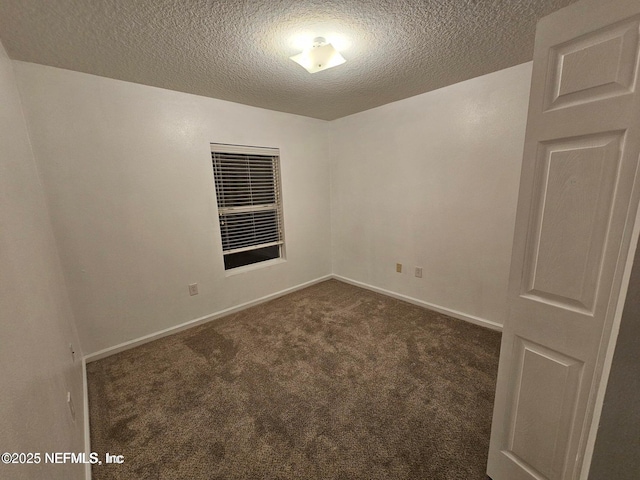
(330, 382)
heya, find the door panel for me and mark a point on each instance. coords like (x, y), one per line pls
(542, 419)
(574, 80)
(573, 198)
(576, 209)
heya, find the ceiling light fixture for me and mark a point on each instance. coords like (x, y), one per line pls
(319, 57)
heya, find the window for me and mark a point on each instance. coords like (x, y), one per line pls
(247, 183)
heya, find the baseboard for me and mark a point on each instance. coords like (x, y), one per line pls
(447, 311)
(92, 357)
(87, 429)
(207, 318)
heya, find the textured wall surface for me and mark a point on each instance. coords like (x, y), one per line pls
(127, 169)
(432, 181)
(36, 323)
(238, 50)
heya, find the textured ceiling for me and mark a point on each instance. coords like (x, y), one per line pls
(239, 50)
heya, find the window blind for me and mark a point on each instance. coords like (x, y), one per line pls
(247, 181)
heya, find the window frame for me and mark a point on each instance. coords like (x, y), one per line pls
(236, 152)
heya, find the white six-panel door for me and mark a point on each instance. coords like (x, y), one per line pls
(576, 209)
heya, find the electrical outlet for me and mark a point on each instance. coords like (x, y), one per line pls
(193, 289)
(73, 353)
(72, 409)
(419, 272)
(399, 267)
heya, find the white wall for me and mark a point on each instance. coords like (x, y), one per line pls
(429, 181)
(36, 323)
(432, 181)
(127, 171)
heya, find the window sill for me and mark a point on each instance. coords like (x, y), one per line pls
(253, 266)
